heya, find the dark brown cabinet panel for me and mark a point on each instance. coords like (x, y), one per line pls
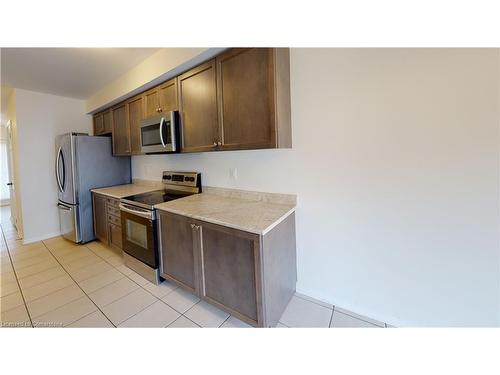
(121, 131)
(100, 218)
(177, 250)
(151, 103)
(198, 108)
(245, 93)
(230, 259)
(135, 115)
(253, 99)
(115, 235)
(249, 275)
(168, 96)
(107, 121)
(98, 124)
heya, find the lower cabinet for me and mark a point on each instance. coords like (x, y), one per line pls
(178, 250)
(100, 217)
(250, 276)
(107, 223)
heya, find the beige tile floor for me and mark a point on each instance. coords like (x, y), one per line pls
(54, 283)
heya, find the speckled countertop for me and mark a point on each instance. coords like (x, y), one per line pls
(120, 191)
(254, 216)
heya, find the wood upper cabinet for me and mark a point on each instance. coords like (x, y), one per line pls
(168, 96)
(121, 131)
(231, 270)
(135, 108)
(151, 102)
(98, 124)
(253, 91)
(178, 259)
(107, 122)
(100, 217)
(198, 108)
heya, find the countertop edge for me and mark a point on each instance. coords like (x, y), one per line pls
(231, 225)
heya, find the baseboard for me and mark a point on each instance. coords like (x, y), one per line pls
(27, 241)
(355, 309)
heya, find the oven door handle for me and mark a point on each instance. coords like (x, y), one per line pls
(145, 214)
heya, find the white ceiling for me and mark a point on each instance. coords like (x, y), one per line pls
(72, 72)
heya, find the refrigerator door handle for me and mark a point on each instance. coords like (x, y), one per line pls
(62, 206)
(58, 178)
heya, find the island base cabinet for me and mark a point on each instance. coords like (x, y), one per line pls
(250, 276)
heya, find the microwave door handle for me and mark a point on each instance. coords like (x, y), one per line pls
(58, 178)
(172, 134)
(161, 131)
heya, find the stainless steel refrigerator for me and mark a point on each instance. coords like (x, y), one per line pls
(82, 163)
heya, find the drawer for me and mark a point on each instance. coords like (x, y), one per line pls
(113, 211)
(113, 202)
(114, 220)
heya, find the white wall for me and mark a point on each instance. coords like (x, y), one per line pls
(395, 162)
(40, 118)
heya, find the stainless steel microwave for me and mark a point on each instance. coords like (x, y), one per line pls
(161, 134)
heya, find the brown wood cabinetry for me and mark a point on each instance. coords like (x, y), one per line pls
(238, 101)
(100, 220)
(198, 108)
(168, 96)
(230, 264)
(151, 102)
(107, 121)
(98, 124)
(178, 258)
(135, 115)
(251, 276)
(121, 130)
(254, 98)
(107, 223)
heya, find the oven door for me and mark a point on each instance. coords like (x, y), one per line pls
(139, 235)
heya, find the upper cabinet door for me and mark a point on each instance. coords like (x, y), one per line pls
(198, 108)
(168, 96)
(135, 115)
(151, 103)
(98, 124)
(107, 122)
(121, 133)
(253, 92)
(245, 98)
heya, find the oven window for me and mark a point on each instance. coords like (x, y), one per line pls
(151, 135)
(137, 233)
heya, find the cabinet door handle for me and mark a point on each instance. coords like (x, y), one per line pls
(219, 143)
(215, 144)
(192, 226)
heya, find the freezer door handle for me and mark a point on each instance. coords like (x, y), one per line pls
(62, 206)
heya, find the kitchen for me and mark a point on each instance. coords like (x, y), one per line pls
(196, 198)
(328, 166)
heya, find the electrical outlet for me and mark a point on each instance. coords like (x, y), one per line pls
(233, 173)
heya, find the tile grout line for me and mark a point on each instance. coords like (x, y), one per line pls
(17, 280)
(98, 308)
(140, 287)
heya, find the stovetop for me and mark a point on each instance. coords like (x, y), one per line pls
(148, 200)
